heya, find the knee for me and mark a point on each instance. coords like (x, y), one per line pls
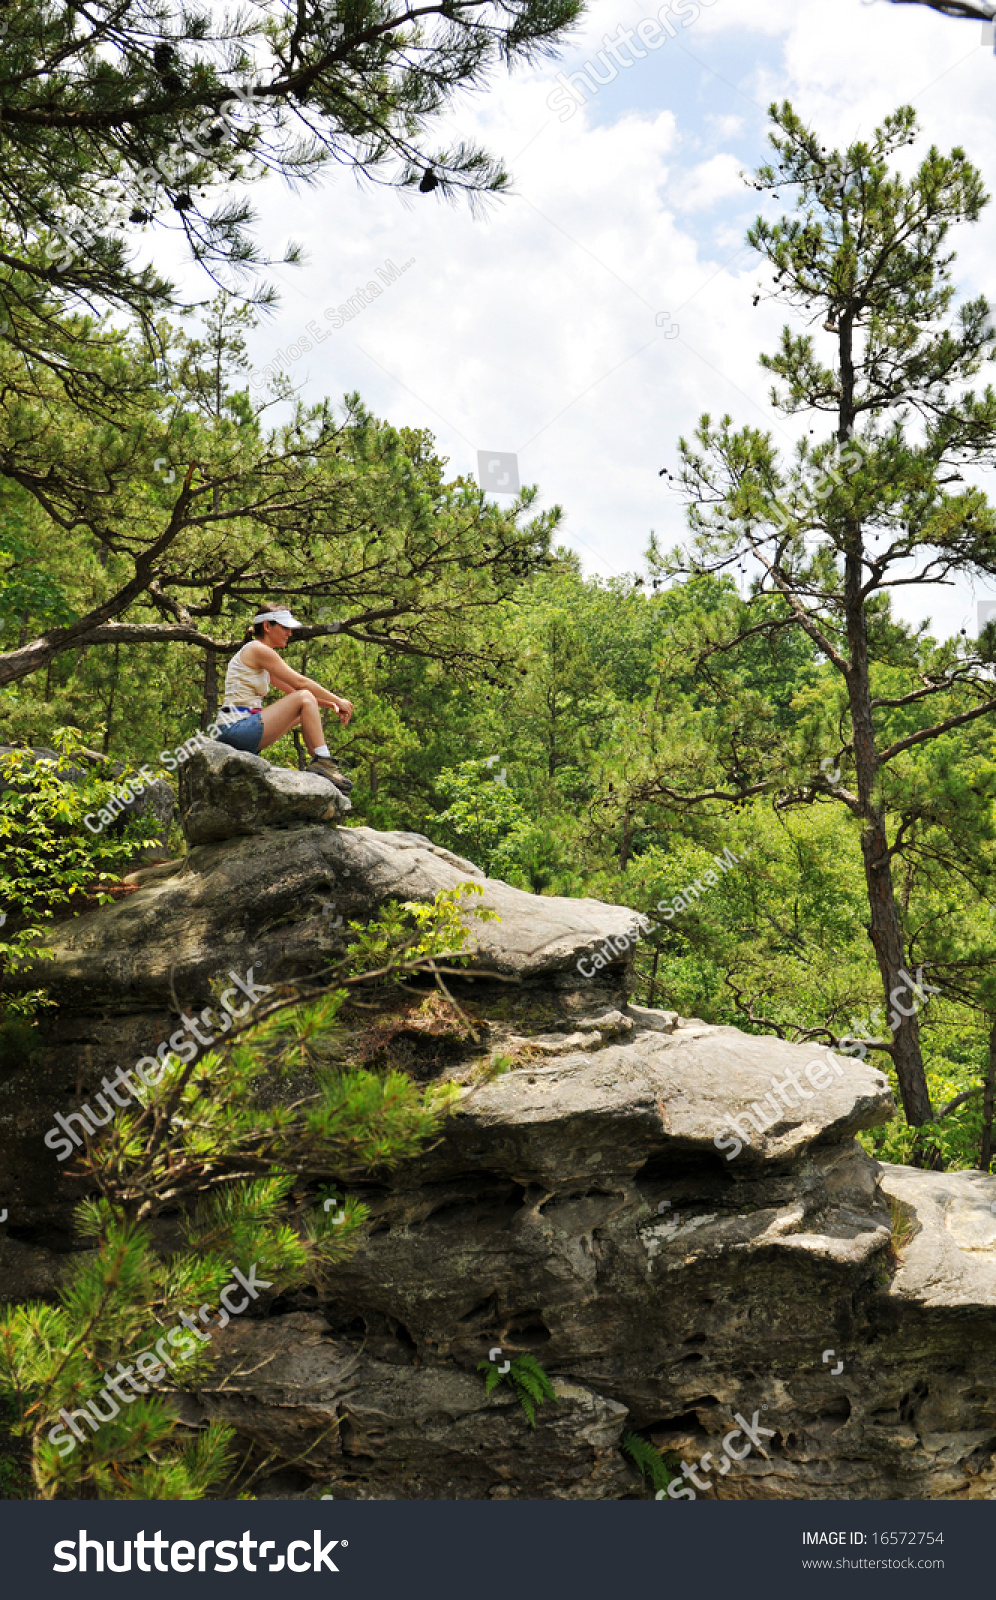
(305, 697)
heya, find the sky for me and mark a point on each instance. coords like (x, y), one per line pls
(590, 317)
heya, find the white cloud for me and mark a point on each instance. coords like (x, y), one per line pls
(705, 184)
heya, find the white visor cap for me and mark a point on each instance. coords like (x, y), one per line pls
(283, 617)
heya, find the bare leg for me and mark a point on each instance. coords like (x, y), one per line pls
(299, 707)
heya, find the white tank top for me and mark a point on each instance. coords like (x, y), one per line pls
(245, 686)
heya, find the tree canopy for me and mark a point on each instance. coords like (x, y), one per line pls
(125, 118)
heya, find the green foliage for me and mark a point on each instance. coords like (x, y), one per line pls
(643, 725)
(15, 1480)
(167, 99)
(116, 1304)
(481, 814)
(11, 1479)
(419, 933)
(527, 1380)
(205, 1128)
(26, 588)
(648, 1462)
(831, 529)
(49, 859)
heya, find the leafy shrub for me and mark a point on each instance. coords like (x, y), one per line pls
(482, 812)
(49, 859)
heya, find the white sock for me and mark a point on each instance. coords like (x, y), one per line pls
(322, 750)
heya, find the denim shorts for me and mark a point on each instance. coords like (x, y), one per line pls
(244, 735)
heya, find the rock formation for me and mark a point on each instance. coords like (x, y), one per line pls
(588, 1205)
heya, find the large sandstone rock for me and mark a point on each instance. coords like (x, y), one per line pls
(226, 793)
(278, 901)
(383, 1426)
(279, 898)
(581, 1212)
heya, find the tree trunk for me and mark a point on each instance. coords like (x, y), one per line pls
(986, 1148)
(885, 928)
(885, 924)
(115, 668)
(627, 840)
(885, 931)
(210, 714)
(653, 978)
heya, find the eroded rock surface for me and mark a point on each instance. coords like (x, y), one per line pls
(580, 1212)
(279, 898)
(225, 793)
(379, 1427)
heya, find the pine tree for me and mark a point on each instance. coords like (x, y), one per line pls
(873, 506)
(138, 115)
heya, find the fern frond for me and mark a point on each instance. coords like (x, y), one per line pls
(526, 1367)
(647, 1460)
(528, 1407)
(492, 1377)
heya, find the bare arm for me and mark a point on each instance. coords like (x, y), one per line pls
(284, 678)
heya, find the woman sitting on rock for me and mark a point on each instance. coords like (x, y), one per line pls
(251, 671)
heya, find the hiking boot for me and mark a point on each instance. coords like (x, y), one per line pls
(323, 767)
